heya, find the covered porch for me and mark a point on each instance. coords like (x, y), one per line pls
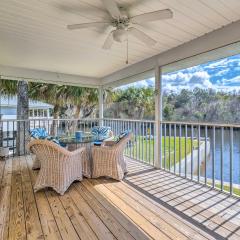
(167, 193)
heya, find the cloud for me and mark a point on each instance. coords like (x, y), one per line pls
(231, 82)
(222, 72)
(187, 80)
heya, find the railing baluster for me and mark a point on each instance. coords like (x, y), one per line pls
(146, 142)
(199, 154)
(206, 149)
(150, 143)
(7, 133)
(231, 160)
(213, 158)
(139, 140)
(165, 133)
(192, 146)
(221, 157)
(186, 135)
(180, 148)
(13, 138)
(142, 130)
(169, 147)
(174, 148)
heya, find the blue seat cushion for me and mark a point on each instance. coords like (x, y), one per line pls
(101, 133)
(98, 143)
(39, 133)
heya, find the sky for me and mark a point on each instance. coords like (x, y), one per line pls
(220, 75)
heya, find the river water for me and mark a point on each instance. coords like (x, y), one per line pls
(226, 154)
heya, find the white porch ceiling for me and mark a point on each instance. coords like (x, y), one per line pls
(33, 33)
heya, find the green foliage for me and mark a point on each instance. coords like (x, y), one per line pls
(135, 103)
(60, 96)
(204, 105)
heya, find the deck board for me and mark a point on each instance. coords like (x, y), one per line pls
(148, 204)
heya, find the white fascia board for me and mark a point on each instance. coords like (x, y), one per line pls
(16, 73)
(142, 76)
(216, 39)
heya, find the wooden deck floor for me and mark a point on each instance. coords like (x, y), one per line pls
(149, 204)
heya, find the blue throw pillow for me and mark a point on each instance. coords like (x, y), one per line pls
(101, 133)
(123, 134)
(39, 133)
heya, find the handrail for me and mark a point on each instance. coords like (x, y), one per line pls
(202, 124)
(50, 119)
(127, 120)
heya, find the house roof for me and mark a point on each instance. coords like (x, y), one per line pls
(12, 102)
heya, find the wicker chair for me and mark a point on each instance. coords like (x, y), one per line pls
(109, 160)
(59, 167)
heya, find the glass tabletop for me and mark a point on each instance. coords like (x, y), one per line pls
(74, 140)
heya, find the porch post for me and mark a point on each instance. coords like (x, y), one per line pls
(158, 118)
(100, 102)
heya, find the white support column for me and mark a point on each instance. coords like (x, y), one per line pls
(158, 118)
(100, 102)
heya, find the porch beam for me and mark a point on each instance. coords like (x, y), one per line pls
(32, 75)
(158, 118)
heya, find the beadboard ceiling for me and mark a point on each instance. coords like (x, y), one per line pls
(33, 33)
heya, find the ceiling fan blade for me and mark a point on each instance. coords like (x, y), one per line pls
(152, 16)
(112, 8)
(142, 36)
(109, 41)
(87, 25)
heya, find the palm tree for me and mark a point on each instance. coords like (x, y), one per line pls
(52, 94)
(22, 114)
(19, 88)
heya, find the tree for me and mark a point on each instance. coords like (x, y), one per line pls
(22, 116)
(136, 103)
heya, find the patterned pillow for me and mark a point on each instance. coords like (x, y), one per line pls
(39, 133)
(122, 135)
(101, 133)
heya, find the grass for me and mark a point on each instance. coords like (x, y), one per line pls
(226, 188)
(143, 149)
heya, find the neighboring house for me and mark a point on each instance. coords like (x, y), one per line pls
(8, 108)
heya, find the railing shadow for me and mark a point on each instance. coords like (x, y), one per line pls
(138, 184)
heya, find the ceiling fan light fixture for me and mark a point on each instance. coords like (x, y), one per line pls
(119, 35)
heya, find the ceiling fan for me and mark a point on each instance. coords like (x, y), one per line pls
(124, 24)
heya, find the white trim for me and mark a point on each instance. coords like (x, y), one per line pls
(158, 118)
(15, 73)
(142, 76)
(100, 102)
